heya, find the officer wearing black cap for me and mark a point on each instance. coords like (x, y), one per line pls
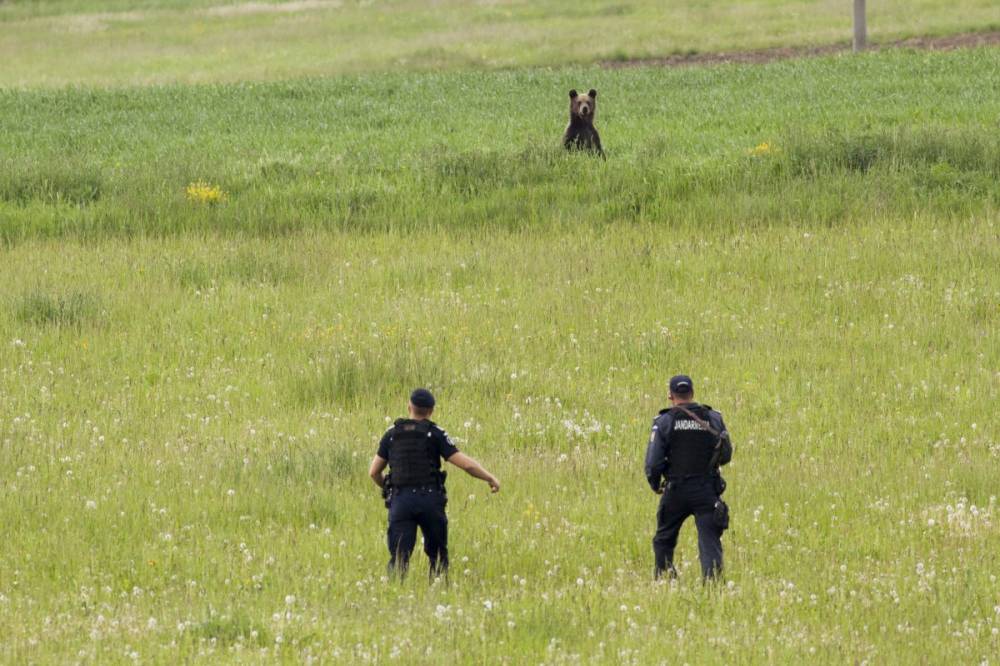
(413, 448)
(688, 444)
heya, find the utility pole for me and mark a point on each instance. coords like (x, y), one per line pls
(860, 26)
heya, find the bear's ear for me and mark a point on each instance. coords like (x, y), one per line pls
(573, 94)
(593, 93)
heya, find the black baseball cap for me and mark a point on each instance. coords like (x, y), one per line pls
(422, 398)
(681, 384)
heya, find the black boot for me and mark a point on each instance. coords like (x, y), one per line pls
(669, 570)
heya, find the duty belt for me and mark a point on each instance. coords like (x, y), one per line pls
(688, 477)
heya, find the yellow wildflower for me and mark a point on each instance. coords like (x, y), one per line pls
(202, 192)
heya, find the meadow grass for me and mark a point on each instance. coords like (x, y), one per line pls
(825, 141)
(213, 300)
(109, 42)
(184, 461)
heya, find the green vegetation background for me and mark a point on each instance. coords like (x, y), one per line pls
(190, 391)
(111, 42)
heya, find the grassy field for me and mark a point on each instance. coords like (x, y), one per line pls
(58, 42)
(187, 425)
(213, 299)
(834, 141)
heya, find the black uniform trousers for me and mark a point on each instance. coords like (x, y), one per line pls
(682, 498)
(414, 507)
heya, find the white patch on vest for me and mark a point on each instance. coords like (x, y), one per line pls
(687, 425)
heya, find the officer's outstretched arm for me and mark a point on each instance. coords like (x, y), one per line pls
(471, 467)
(375, 471)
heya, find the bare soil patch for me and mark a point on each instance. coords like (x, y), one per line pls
(293, 7)
(945, 43)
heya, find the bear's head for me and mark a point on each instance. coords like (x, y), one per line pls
(583, 106)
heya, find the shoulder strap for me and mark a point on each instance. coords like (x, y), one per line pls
(717, 449)
(697, 419)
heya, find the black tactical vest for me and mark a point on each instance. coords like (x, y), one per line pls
(412, 455)
(691, 446)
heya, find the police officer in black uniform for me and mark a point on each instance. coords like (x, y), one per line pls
(688, 444)
(413, 448)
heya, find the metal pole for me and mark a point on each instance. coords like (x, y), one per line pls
(860, 26)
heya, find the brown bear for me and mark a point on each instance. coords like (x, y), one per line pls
(580, 133)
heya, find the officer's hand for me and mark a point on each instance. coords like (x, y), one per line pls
(494, 484)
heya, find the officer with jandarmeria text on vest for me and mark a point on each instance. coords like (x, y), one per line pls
(688, 444)
(412, 449)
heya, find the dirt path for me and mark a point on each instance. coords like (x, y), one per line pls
(946, 43)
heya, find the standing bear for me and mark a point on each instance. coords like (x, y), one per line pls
(581, 133)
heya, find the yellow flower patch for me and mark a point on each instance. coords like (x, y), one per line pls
(201, 192)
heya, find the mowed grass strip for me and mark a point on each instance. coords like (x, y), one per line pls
(184, 456)
(819, 142)
(112, 42)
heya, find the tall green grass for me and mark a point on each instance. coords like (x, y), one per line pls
(191, 390)
(819, 142)
(61, 310)
(184, 475)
